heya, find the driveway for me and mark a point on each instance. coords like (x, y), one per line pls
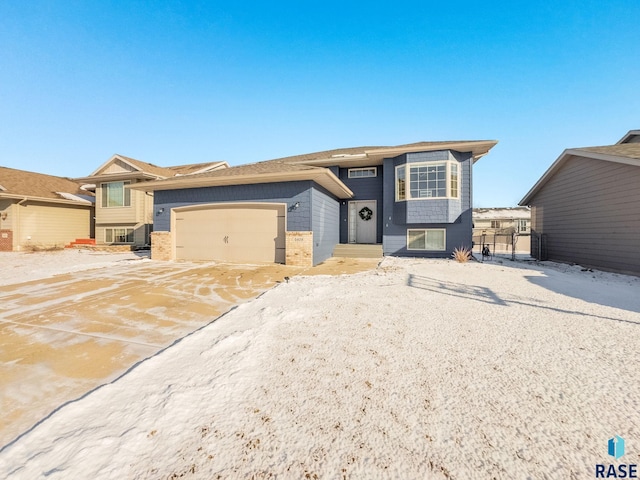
(63, 336)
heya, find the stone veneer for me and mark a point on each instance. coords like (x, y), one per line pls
(299, 249)
(161, 246)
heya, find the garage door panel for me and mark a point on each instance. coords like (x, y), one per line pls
(241, 234)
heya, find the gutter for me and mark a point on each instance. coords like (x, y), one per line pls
(23, 199)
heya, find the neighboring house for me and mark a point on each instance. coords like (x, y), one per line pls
(495, 227)
(413, 200)
(42, 211)
(125, 216)
(585, 209)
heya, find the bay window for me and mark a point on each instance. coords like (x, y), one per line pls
(427, 180)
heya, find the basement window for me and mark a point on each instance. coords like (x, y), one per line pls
(118, 235)
(426, 239)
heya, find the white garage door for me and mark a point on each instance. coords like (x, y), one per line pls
(239, 233)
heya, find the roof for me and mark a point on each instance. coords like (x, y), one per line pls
(21, 184)
(309, 166)
(147, 167)
(502, 213)
(198, 167)
(149, 170)
(627, 153)
(632, 136)
(253, 173)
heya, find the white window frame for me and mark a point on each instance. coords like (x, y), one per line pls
(448, 172)
(126, 194)
(372, 170)
(426, 230)
(523, 225)
(127, 231)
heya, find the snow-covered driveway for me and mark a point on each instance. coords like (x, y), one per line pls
(63, 335)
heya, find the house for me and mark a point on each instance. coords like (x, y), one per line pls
(411, 200)
(125, 216)
(585, 209)
(500, 227)
(41, 211)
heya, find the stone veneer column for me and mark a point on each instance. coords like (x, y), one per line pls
(299, 249)
(161, 246)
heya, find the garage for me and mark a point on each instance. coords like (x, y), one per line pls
(238, 233)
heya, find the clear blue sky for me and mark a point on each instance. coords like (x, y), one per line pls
(188, 82)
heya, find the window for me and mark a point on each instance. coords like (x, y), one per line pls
(115, 194)
(401, 184)
(453, 179)
(426, 240)
(522, 226)
(496, 224)
(363, 172)
(428, 180)
(118, 235)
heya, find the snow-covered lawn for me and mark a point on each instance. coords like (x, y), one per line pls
(419, 369)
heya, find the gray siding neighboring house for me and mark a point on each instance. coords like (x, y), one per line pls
(586, 208)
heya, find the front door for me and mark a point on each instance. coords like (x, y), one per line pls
(362, 221)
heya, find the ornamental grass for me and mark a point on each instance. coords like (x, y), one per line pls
(461, 254)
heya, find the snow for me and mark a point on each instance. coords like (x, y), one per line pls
(418, 369)
(18, 267)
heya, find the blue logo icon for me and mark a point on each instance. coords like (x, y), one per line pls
(616, 447)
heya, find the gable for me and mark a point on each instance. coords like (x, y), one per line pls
(117, 166)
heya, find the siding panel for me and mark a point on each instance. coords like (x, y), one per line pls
(325, 225)
(590, 212)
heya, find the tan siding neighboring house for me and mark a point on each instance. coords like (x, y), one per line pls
(125, 215)
(42, 211)
(495, 227)
(586, 208)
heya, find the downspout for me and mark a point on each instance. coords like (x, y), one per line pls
(17, 223)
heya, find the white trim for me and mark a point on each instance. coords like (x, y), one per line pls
(443, 230)
(363, 169)
(407, 178)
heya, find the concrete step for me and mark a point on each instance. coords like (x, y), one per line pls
(357, 250)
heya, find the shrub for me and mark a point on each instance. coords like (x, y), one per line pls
(461, 254)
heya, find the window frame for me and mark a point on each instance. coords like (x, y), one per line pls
(126, 194)
(523, 225)
(449, 176)
(363, 169)
(426, 230)
(129, 232)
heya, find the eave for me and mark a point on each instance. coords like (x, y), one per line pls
(376, 156)
(114, 177)
(563, 158)
(29, 198)
(321, 176)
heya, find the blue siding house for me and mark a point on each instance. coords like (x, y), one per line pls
(414, 200)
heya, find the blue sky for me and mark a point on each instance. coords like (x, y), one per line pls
(188, 82)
